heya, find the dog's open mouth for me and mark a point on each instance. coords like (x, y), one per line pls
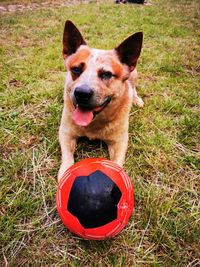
(83, 116)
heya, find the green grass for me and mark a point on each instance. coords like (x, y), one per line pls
(163, 158)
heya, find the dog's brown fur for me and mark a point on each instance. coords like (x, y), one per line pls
(111, 124)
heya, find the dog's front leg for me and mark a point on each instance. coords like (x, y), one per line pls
(68, 145)
(117, 150)
(137, 101)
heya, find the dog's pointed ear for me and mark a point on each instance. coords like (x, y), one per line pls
(129, 50)
(72, 39)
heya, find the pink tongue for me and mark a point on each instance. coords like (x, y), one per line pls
(82, 118)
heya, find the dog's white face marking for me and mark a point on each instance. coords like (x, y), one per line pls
(95, 54)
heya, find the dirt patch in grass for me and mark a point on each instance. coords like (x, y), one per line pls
(6, 7)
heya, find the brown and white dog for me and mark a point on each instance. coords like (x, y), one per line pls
(99, 91)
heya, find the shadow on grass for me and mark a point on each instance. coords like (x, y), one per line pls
(90, 149)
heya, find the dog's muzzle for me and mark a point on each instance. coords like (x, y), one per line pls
(85, 108)
(102, 106)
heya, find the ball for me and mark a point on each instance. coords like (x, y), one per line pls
(95, 198)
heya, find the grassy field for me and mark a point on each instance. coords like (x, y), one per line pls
(163, 158)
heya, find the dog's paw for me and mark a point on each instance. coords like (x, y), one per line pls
(62, 170)
(138, 102)
(60, 174)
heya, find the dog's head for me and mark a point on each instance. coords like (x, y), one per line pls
(96, 77)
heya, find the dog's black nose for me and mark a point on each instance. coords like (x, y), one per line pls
(83, 94)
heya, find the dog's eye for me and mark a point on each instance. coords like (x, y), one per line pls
(105, 75)
(76, 70)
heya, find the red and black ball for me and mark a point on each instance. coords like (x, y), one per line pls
(95, 198)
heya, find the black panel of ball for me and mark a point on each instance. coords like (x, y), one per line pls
(93, 200)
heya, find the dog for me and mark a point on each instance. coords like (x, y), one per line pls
(98, 94)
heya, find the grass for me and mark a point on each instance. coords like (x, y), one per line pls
(163, 158)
